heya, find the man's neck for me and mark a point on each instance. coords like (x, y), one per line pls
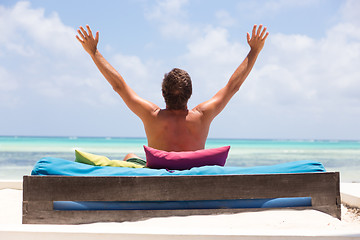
(169, 109)
(176, 111)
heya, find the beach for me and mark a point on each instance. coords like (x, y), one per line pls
(19, 154)
(267, 224)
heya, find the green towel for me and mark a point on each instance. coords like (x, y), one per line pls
(98, 160)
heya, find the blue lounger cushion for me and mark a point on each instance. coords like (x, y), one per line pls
(181, 205)
(57, 166)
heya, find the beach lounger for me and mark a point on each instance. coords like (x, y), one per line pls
(145, 196)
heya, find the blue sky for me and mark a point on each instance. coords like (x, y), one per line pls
(305, 84)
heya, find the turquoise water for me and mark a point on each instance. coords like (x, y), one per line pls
(19, 154)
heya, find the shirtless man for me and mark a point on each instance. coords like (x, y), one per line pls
(175, 128)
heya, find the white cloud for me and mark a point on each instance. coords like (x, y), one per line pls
(350, 11)
(23, 26)
(8, 85)
(167, 8)
(46, 59)
(260, 8)
(144, 77)
(131, 65)
(7, 82)
(224, 18)
(300, 70)
(172, 19)
(211, 59)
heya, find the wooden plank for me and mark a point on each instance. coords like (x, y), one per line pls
(40, 191)
(332, 210)
(38, 205)
(175, 188)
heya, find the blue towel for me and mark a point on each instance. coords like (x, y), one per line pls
(57, 166)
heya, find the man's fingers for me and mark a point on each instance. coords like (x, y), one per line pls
(89, 30)
(81, 41)
(97, 37)
(266, 35)
(248, 37)
(259, 30)
(85, 34)
(254, 30)
(263, 32)
(81, 34)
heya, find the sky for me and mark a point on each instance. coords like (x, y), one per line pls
(305, 83)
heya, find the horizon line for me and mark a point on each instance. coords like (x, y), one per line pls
(210, 138)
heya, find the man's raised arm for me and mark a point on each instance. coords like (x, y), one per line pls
(138, 105)
(211, 108)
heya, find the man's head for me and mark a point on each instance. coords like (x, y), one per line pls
(176, 89)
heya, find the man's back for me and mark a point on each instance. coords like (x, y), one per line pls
(176, 130)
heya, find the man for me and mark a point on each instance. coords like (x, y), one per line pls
(175, 128)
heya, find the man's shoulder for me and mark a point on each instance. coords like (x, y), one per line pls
(196, 112)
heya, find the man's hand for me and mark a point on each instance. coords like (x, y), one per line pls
(87, 40)
(258, 37)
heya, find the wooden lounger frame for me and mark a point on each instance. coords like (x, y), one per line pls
(39, 192)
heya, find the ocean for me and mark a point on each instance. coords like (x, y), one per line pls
(19, 154)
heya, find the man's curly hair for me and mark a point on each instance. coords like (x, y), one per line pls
(176, 89)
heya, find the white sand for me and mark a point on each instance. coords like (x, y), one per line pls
(350, 194)
(268, 224)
